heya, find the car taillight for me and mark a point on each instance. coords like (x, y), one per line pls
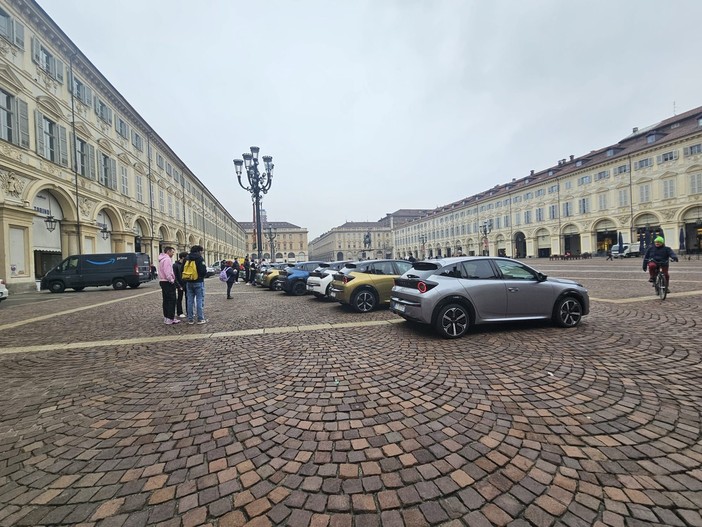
(422, 287)
(136, 269)
(347, 279)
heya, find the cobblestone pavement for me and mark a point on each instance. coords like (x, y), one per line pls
(294, 411)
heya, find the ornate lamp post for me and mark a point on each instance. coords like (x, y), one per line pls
(258, 184)
(485, 229)
(271, 235)
(423, 241)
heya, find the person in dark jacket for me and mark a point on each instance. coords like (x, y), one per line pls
(232, 275)
(247, 270)
(658, 255)
(195, 289)
(180, 285)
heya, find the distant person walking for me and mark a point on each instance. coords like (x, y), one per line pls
(195, 289)
(180, 285)
(166, 279)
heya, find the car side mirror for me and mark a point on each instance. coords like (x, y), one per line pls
(541, 277)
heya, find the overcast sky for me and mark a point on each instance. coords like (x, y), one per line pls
(372, 106)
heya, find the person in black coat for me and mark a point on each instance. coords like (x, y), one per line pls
(232, 275)
(180, 285)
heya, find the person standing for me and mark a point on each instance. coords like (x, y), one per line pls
(231, 277)
(195, 289)
(252, 272)
(247, 270)
(166, 279)
(180, 285)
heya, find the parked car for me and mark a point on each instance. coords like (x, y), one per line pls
(91, 270)
(270, 276)
(211, 270)
(366, 285)
(4, 293)
(452, 294)
(319, 281)
(293, 280)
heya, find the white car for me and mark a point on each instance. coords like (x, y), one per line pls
(3, 290)
(319, 281)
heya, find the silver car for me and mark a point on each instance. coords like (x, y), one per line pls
(452, 294)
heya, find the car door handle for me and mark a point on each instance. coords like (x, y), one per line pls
(513, 289)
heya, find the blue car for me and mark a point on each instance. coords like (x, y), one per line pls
(294, 279)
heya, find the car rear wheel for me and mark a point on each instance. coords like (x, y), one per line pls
(453, 321)
(57, 287)
(119, 283)
(298, 288)
(568, 312)
(364, 301)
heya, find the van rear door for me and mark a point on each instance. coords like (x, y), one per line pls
(143, 265)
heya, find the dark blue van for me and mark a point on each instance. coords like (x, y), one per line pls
(91, 270)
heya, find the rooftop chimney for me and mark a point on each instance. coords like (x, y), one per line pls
(635, 129)
(532, 173)
(572, 157)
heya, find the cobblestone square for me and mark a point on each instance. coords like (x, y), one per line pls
(293, 411)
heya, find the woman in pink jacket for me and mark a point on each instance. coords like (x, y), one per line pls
(166, 279)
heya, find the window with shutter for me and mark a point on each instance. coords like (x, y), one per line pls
(103, 111)
(11, 30)
(46, 60)
(51, 139)
(14, 121)
(122, 127)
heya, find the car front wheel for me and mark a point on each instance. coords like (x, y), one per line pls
(568, 312)
(364, 301)
(453, 321)
(57, 287)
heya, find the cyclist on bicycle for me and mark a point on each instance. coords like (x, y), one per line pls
(658, 255)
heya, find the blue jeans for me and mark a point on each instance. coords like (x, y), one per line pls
(195, 292)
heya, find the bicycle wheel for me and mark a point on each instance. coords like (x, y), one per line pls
(661, 286)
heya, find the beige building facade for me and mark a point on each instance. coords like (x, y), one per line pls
(282, 241)
(80, 170)
(648, 183)
(359, 240)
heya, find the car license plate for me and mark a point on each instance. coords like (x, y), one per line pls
(398, 307)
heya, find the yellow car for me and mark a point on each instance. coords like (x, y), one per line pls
(269, 277)
(366, 285)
